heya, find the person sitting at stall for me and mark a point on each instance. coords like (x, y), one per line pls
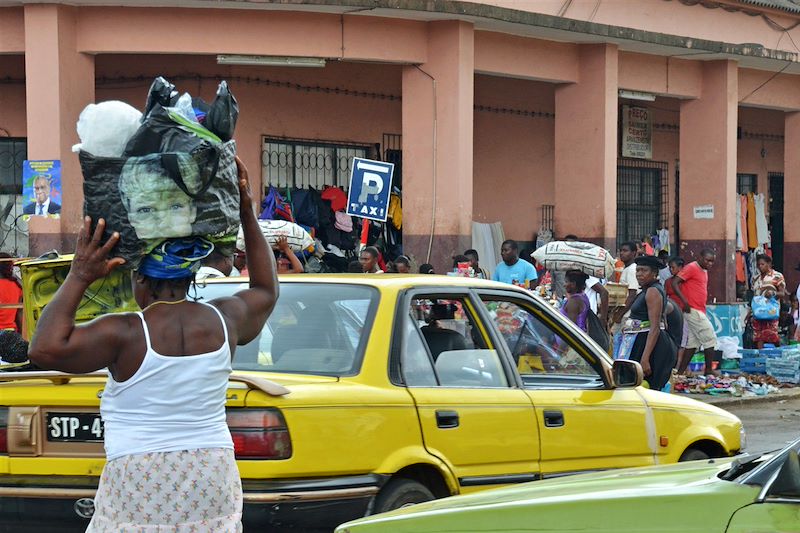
(426, 268)
(474, 262)
(644, 338)
(369, 260)
(402, 265)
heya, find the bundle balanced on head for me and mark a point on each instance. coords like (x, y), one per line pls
(164, 402)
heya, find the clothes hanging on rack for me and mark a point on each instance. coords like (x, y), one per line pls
(663, 240)
(752, 232)
(739, 236)
(762, 229)
(741, 271)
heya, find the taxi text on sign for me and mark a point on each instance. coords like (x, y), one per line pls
(370, 186)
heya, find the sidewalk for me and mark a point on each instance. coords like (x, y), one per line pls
(728, 400)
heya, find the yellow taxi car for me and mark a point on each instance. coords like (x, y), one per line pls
(366, 393)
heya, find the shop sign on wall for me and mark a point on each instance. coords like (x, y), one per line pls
(704, 212)
(637, 132)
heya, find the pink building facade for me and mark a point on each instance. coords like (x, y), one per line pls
(501, 111)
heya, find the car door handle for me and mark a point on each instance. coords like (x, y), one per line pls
(553, 419)
(447, 419)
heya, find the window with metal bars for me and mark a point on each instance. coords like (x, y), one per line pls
(642, 198)
(307, 163)
(13, 152)
(746, 183)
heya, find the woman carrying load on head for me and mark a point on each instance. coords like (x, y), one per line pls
(645, 338)
(170, 455)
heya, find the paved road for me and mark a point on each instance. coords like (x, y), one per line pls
(769, 425)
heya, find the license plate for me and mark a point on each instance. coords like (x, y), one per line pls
(74, 427)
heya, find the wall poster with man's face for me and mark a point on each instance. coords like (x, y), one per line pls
(41, 188)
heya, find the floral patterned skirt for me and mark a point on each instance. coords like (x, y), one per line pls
(188, 491)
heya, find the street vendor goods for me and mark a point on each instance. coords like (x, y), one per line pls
(590, 259)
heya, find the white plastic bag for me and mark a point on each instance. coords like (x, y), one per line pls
(105, 128)
(298, 238)
(589, 258)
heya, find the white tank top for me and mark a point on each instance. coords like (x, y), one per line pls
(170, 403)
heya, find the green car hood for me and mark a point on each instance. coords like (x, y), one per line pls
(686, 497)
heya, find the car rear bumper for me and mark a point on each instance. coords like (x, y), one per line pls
(31, 504)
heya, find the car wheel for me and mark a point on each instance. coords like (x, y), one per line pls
(401, 493)
(693, 454)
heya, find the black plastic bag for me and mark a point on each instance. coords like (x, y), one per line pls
(163, 195)
(160, 133)
(221, 118)
(161, 93)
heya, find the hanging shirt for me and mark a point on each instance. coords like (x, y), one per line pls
(752, 232)
(762, 230)
(742, 223)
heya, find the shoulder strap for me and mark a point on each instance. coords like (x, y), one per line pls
(146, 331)
(222, 319)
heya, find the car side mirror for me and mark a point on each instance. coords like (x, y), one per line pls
(627, 373)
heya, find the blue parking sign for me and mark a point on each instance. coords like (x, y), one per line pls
(370, 187)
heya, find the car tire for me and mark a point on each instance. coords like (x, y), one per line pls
(401, 493)
(693, 454)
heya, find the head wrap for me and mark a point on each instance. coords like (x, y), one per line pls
(649, 261)
(175, 258)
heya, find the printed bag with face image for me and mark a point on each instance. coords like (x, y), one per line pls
(161, 196)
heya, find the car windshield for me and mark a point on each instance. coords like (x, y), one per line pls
(315, 328)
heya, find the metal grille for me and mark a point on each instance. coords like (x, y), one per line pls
(642, 198)
(393, 153)
(306, 163)
(746, 183)
(776, 220)
(13, 151)
(547, 216)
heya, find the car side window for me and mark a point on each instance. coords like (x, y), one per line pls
(537, 349)
(455, 352)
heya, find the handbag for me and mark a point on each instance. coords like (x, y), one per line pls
(764, 308)
(597, 331)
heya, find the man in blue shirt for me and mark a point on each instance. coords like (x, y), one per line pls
(514, 270)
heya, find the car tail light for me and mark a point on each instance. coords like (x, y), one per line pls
(259, 434)
(3, 429)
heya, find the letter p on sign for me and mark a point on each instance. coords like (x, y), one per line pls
(370, 188)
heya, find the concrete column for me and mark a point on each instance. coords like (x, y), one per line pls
(437, 146)
(59, 84)
(586, 149)
(791, 197)
(708, 174)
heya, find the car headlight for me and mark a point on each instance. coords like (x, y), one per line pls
(742, 438)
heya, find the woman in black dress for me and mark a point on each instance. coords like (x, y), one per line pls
(653, 347)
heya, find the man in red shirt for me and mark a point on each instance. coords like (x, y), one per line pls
(691, 289)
